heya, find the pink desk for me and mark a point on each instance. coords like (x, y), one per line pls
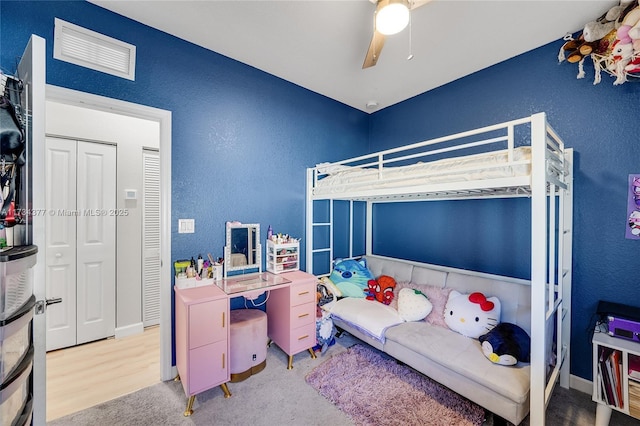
(202, 325)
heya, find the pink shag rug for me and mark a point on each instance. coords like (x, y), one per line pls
(374, 389)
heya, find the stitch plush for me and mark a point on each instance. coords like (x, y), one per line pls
(351, 276)
(506, 344)
(471, 315)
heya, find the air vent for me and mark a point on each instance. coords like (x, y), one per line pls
(93, 50)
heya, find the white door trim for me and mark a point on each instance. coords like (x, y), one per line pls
(163, 117)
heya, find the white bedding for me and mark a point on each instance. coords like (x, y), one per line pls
(465, 168)
(369, 316)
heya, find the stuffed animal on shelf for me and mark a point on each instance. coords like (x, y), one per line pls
(506, 344)
(351, 277)
(381, 289)
(471, 315)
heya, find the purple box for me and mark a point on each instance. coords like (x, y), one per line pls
(626, 329)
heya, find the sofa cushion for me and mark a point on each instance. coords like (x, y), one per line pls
(400, 271)
(462, 355)
(437, 296)
(369, 316)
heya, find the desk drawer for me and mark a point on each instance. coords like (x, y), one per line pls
(304, 292)
(303, 338)
(302, 315)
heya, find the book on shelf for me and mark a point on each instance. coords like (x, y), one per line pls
(603, 387)
(634, 366)
(616, 361)
(609, 372)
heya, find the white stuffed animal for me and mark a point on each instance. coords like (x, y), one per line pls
(471, 315)
(595, 30)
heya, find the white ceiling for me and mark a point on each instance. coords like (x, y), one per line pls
(321, 44)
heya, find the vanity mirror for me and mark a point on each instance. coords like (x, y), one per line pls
(242, 252)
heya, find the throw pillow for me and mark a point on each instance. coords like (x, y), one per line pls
(471, 315)
(413, 305)
(437, 296)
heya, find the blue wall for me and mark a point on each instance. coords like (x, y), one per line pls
(242, 140)
(600, 122)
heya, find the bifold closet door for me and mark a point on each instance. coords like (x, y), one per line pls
(80, 241)
(96, 237)
(60, 237)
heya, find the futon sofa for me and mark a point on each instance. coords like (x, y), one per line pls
(443, 355)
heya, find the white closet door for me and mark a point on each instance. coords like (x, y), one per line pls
(96, 236)
(60, 237)
(151, 238)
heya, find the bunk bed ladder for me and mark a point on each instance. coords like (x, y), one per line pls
(567, 267)
(550, 265)
(311, 225)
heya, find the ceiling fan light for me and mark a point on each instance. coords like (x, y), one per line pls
(392, 17)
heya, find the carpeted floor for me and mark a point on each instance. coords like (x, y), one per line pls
(373, 389)
(277, 396)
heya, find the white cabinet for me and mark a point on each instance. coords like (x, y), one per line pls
(283, 257)
(613, 387)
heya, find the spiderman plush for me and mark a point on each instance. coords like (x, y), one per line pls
(381, 289)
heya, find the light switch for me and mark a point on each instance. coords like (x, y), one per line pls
(186, 226)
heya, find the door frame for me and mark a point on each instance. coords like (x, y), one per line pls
(163, 117)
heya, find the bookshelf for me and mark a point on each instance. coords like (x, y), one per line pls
(616, 377)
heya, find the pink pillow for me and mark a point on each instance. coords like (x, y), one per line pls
(437, 296)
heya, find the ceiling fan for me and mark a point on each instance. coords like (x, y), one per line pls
(390, 17)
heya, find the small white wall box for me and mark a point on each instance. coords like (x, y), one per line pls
(186, 226)
(130, 194)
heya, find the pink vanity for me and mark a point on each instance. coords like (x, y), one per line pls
(202, 325)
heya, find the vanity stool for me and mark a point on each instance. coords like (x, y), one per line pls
(248, 343)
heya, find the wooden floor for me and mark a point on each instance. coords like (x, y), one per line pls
(85, 375)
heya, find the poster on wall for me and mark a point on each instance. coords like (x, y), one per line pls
(633, 208)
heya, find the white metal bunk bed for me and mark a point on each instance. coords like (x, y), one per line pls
(540, 168)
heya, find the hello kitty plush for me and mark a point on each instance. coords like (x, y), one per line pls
(471, 315)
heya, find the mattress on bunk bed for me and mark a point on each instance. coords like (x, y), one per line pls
(490, 165)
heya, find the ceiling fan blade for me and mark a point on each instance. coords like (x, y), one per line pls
(375, 47)
(417, 3)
